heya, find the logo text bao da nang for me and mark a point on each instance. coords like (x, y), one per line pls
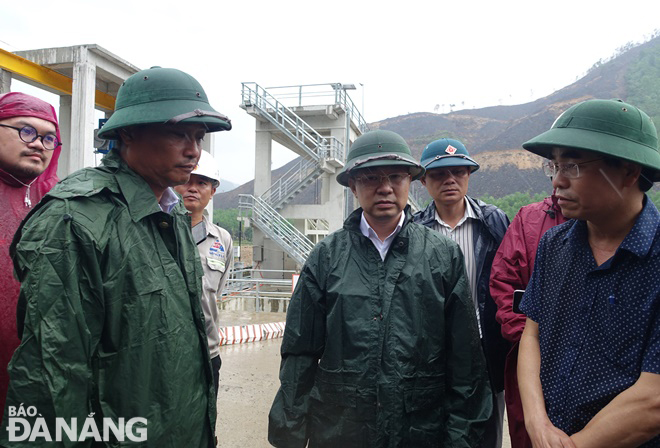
(20, 429)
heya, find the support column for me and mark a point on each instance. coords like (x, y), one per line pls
(64, 117)
(332, 193)
(5, 81)
(272, 254)
(262, 161)
(82, 114)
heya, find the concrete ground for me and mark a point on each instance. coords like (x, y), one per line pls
(248, 383)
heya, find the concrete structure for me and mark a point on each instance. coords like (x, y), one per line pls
(92, 70)
(319, 127)
(86, 78)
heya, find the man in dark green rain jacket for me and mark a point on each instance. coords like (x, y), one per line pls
(112, 331)
(381, 347)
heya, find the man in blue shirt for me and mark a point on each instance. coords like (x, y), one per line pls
(589, 364)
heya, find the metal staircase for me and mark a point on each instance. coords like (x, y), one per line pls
(319, 154)
(294, 181)
(266, 218)
(316, 146)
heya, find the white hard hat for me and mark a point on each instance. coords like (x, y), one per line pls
(207, 167)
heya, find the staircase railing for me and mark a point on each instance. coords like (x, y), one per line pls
(301, 133)
(276, 227)
(292, 182)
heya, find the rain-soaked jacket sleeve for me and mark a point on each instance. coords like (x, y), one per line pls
(302, 347)
(60, 315)
(468, 393)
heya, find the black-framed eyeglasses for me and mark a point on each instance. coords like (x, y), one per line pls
(376, 180)
(29, 134)
(568, 170)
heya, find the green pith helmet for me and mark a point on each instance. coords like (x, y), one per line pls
(162, 95)
(609, 127)
(447, 152)
(376, 149)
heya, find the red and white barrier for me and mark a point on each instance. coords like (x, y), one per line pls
(239, 334)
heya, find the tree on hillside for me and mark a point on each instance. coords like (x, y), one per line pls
(228, 220)
(643, 83)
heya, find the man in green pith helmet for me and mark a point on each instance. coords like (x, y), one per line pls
(589, 360)
(109, 310)
(381, 347)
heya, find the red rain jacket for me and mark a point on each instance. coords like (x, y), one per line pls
(511, 270)
(12, 212)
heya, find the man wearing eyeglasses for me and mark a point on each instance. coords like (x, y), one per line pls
(589, 361)
(478, 229)
(109, 308)
(381, 348)
(29, 150)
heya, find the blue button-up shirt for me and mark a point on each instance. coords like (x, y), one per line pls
(599, 326)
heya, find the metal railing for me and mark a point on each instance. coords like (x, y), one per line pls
(301, 133)
(318, 95)
(250, 284)
(292, 182)
(276, 227)
(342, 98)
(334, 150)
(317, 225)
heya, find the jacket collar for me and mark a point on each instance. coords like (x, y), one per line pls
(352, 223)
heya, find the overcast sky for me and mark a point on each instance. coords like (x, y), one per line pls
(409, 56)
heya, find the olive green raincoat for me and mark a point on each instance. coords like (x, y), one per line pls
(113, 323)
(381, 354)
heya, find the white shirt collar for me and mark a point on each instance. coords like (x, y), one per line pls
(469, 213)
(381, 245)
(168, 200)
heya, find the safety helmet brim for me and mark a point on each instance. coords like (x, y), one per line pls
(164, 113)
(450, 161)
(378, 161)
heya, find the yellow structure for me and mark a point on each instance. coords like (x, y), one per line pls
(86, 77)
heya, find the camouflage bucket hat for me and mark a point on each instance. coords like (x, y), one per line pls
(162, 95)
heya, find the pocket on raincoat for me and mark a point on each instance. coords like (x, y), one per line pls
(333, 417)
(425, 415)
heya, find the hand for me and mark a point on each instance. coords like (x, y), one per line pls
(546, 435)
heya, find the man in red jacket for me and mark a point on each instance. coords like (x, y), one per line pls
(511, 270)
(29, 149)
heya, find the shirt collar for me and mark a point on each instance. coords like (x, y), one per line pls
(210, 227)
(368, 231)
(168, 200)
(469, 213)
(639, 240)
